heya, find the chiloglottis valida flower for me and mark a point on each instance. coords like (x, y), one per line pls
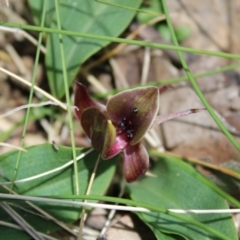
(120, 125)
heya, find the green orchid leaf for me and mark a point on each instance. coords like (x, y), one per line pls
(36, 9)
(175, 185)
(43, 158)
(90, 17)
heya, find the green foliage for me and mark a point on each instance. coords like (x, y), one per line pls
(176, 186)
(81, 16)
(36, 7)
(164, 31)
(151, 6)
(43, 158)
(182, 33)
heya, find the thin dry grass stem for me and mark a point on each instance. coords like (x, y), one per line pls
(120, 47)
(11, 15)
(204, 211)
(13, 146)
(119, 74)
(44, 123)
(18, 61)
(32, 105)
(95, 83)
(90, 233)
(112, 213)
(64, 135)
(37, 89)
(47, 127)
(146, 65)
(152, 138)
(14, 226)
(4, 2)
(81, 224)
(72, 203)
(93, 176)
(26, 209)
(24, 34)
(22, 223)
(43, 213)
(57, 131)
(206, 164)
(111, 206)
(49, 172)
(83, 214)
(155, 141)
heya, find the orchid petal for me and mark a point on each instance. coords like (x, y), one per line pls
(99, 129)
(82, 100)
(160, 119)
(144, 100)
(136, 162)
(120, 143)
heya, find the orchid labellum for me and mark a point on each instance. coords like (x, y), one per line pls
(121, 124)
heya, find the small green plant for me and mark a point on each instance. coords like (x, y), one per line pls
(60, 180)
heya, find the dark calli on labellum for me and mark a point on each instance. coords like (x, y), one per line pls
(121, 124)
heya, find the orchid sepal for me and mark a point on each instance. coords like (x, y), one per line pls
(136, 162)
(163, 118)
(121, 109)
(122, 123)
(99, 129)
(82, 101)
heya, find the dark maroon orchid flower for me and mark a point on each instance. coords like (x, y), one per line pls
(121, 124)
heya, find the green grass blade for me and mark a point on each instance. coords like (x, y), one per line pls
(148, 206)
(94, 18)
(120, 40)
(69, 111)
(30, 96)
(132, 9)
(172, 80)
(194, 84)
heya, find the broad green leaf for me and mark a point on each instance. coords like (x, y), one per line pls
(36, 9)
(84, 16)
(40, 159)
(176, 186)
